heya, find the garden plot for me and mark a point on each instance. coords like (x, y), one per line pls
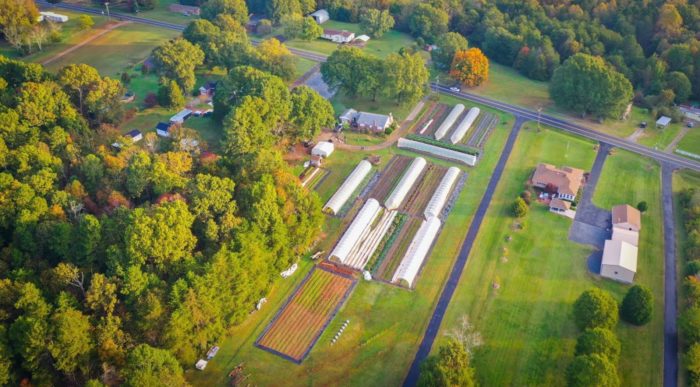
(482, 130)
(298, 324)
(389, 177)
(431, 118)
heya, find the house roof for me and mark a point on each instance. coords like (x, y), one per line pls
(620, 253)
(566, 179)
(133, 133)
(373, 119)
(348, 114)
(324, 146)
(623, 234)
(625, 213)
(345, 34)
(558, 203)
(321, 13)
(663, 121)
(164, 126)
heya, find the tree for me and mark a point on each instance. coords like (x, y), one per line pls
(276, 9)
(428, 22)
(138, 174)
(45, 104)
(237, 9)
(519, 208)
(681, 86)
(292, 25)
(470, 67)
(599, 341)
(170, 95)
(71, 341)
(17, 20)
(177, 60)
(642, 206)
(85, 22)
(449, 367)
(376, 22)
(310, 30)
(274, 57)
(449, 44)
(246, 81)
(148, 366)
(690, 325)
(637, 306)
(310, 113)
(670, 22)
(692, 362)
(341, 68)
(592, 370)
(405, 77)
(595, 308)
(587, 85)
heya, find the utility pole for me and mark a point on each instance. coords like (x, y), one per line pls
(109, 18)
(539, 114)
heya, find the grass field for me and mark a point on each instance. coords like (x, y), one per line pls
(301, 321)
(691, 142)
(526, 322)
(160, 12)
(342, 102)
(386, 322)
(117, 50)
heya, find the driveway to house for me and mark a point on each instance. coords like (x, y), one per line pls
(453, 280)
(592, 224)
(670, 285)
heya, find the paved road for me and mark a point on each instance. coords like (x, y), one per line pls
(576, 129)
(157, 23)
(670, 286)
(458, 268)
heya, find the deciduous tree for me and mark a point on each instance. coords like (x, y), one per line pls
(595, 308)
(470, 67)
(447, 46)
(376, 22)
(177, 60)
(638, 305)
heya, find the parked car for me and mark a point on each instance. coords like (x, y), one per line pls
(454, 89)
(643, 124)
(690, 124)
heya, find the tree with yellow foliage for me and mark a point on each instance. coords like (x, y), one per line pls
(470, 67)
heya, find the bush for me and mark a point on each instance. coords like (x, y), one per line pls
(85, 22)
(592, 370)
(690, 325)
(637, 306)
(599, 341)
(692, 364)
(642, 206)
(519, 208)
(692, 268)
(151, 100)
(595, 308)
(125, 78)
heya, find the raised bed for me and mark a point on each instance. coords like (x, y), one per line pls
(421, 193)
(393, 256)
(483, 129)
(389, 177)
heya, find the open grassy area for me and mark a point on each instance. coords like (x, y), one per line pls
(117, 50)
(691, 141)
(302, 65)
(342, 102)
(526, 322)
(386, 322)
(160, 12)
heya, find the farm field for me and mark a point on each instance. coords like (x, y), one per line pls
(386, 322)
(295, 329)
(117, 50)
(525, 320)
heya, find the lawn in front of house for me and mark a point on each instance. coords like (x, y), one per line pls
(691, 142)
(519, 285)
(159, 12)
(386, 322)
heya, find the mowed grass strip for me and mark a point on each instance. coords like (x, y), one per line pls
(303, 318)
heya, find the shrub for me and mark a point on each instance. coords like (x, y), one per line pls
(526, 196)
(599, 341)
(85, 22)
(642, 206)
(690, 325)
(692, 364)
(125, 78)
(151, 100)
(592, 370)
(637, 306)
(692, 268)
(519, 208)
(595, 308)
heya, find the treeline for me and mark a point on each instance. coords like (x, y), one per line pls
(121, 266)
(689, 201)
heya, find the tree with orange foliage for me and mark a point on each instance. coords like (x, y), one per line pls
(470, 67)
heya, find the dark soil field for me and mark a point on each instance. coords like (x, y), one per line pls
(437, 112)
(389, 177)
(423, 190)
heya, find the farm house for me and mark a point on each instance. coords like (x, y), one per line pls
(417, 251)
(354, 232)
(464, 126)
(437, 151)
(407, 180)
(341, 196)
(449, 121)
(437, 202)
(323, 149)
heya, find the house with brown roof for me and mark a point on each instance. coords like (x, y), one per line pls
(337, 36)
(566, 181)
(626, 217)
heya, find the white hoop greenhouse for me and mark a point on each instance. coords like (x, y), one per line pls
(444, 153)
(407, 180)
(417, 251)
(352, 235)
(437, 202)
(354, 179)
(464, 126)
(449, 121)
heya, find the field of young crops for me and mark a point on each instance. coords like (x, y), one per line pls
(297, 326)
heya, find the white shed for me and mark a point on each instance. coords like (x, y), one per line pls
(407, 180)
(449, 121)
(437, 202)
(362, 222)
(464, 125)
(323, 149)
(619, 261)
(663, 122)
(354, 179)
(201, 364)
(321, 16)
(417, 251)
(181, 116)
(52, 17)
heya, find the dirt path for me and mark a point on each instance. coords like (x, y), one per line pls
(84, 42)
(677, 139)
(639, 132)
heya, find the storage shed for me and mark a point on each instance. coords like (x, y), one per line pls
(437, 202)
(449, 121)
(417, 251)
(52, 17)
(323, 149)
(321, 16)
(163, 129)
(362, 222)
(407, 181)
(181, 116)
(135, 135)
(663, 122)
(354, 179)
(464, 125)
(619, 261)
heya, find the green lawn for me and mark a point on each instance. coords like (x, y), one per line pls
(160, 12)
(118, 50)
(691, 141)
(386, 322)
(302, 65)
(526, 322)
(146, 120)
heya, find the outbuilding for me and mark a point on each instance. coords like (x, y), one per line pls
(163, 129)
(619, 261)
(181, 116)
(337, 36)
(135, 135)
(323, 149)
(52, 17)
(626, 217)
(663, 122)
(321, 16)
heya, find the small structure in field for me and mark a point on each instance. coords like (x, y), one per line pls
(212, 352)
(619, 261)
(323, 149)
(52, 17)
(690, 112)
(316, 161)
(417, 251)
(208, 89)
(565, 181)
(355, 231)
(338, 36)
(135, 135)
(181, 116)
(439, 199)
(201, 364)
(363, 38)
(409, 178)
(163, 129)
(663, 122)
(465, 125)
(321, 16)
(367, 121)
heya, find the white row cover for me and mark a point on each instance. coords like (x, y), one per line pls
(407, 180)
(352, 235)
(449, 121)
(417, 251)
(464, 126)
(369, 241)
(437, 202)
(444, 153)
(337, 201)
